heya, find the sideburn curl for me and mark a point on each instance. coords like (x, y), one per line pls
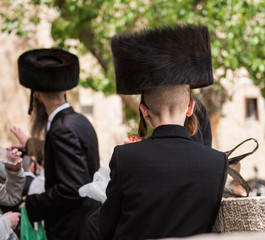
(39, 119)
(142, 128)
(192, 121)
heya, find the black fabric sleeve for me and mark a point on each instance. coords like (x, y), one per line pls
(72, 173)
(221, 189)
(111, 209)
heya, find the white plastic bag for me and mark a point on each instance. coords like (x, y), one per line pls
(97, 188)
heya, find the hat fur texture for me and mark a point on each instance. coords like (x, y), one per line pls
(48, 70)
(162, 56)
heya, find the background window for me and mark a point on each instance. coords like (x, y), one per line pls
(87, 109)
(252, 109)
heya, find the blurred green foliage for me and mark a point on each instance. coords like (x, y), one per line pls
(237, 28)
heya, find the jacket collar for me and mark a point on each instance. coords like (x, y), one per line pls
(62, 113)
(168, 131)
(56, 111)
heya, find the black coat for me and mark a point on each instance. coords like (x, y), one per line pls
(71, 158)
(165, 186)
(28, 181)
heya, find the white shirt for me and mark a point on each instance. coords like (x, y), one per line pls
(37, 185)
(29, 174)
(53, 114)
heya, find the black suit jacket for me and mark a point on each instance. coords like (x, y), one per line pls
(71, 158)
(28, 181)
(165, 186)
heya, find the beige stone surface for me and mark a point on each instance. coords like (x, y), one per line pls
(241, 215)
(14, 99)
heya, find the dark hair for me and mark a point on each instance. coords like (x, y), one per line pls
(39, 119)
(142, 128)
(192, 121)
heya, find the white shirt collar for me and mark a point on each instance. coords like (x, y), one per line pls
(30, 174)
(53, 114)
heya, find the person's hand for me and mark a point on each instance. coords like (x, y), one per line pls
(21, 136)
(23, 203)
(39, 167)
(132, 139)
(13, 218)
(17, 166)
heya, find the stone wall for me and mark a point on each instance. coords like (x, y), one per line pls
(235, 126)
(14, 98)
(106, 115)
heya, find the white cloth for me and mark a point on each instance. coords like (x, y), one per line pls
(30, 174)
(37, 185)
(97, 188)
(5, 228)
(53, 114)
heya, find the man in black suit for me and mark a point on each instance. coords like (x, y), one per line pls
(167, 185)
(71, 146)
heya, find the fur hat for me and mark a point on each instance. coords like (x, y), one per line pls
(48, 70)
(160, 57)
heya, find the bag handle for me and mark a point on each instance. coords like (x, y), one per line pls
(236, 159)
(239, 179)
(235, 174)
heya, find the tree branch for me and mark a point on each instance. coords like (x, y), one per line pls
(87, 37)
(59, 3)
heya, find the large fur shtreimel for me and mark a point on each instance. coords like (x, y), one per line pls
(162, 56)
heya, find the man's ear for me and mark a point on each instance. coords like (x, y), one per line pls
(190, 108)
(144, 111)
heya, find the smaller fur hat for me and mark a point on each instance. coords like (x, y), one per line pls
(162, 56)
(48, 70)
